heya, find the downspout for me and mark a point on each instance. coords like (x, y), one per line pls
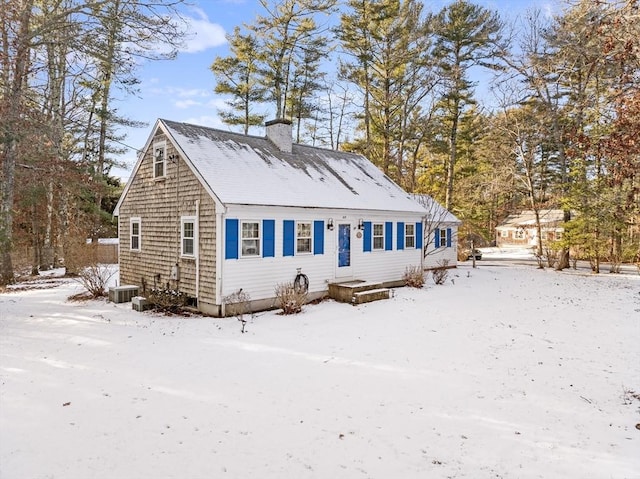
(197, 235)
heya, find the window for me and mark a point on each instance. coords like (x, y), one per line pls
(519, 234)
(504, 233)
(378, 236)
(443, 237)
(303, 237)
(135, 234)
(189, 235)
(409, 235)
(159, 160)
(250, 238)
(558, 235)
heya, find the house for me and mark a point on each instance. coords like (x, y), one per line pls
(520, 229)
(441, 234)
(210, 212)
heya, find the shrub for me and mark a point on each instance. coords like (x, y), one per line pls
(238, 304)
(167, 300)
(94, 278)
(289, 298)
(441, 272)
(413, 277)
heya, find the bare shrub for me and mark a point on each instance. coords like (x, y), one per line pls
(167, 300)
(94, 278)
(289, 298)
(238, 304)
(552, 257)
(413, 277)
(441, 272)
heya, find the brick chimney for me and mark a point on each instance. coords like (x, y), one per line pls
(280, 133)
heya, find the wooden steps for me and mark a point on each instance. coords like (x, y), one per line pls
(358, 291)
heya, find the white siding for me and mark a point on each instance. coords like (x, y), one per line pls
(258, 276)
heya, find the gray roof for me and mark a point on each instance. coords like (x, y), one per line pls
(528, 218)
(250, 170)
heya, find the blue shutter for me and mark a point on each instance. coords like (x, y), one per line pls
(268, 238)
(231, 239)
(366, 244)
(400, 235)
(419, 235)
(448, 237)
(318, 237)
(388, 236)
(288, 245)
(436, 237)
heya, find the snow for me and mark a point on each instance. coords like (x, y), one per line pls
(309, 177)
(506, 371)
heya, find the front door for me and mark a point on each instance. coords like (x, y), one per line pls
(344, 250)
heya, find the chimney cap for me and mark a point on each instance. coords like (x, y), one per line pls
(276, 121)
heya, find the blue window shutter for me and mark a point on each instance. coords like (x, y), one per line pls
(436, 237)
(288, 246)
(318, 237)
(366, 244)
(400, 242)
(268, 238)
(448, 237)
(388, 236)
(419, 235)
(231, 239)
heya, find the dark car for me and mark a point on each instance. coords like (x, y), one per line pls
(476, 252)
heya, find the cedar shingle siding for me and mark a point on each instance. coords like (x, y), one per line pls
(160, 203)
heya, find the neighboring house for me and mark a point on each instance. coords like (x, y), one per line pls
(441, 234)
(520, 229)
(211, 212)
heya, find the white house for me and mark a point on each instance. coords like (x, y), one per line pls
(211, 212)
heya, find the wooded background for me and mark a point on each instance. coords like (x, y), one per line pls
(488, 117)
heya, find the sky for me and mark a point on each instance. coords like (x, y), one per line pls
(183, 89)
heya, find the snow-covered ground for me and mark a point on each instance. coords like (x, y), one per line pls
(504, 372)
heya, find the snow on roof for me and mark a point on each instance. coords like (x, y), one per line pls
(528, 218)
(250, 170)
(435, 211)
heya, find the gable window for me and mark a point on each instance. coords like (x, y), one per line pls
(135, 234)
(188, 235)
(159, 165)
(250, 238)
(303, 237)
(409, 235)
(378, 236)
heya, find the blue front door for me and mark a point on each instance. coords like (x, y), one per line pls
(344, 245)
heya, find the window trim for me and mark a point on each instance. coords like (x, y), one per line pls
(135, 220)
(380, 236)
(185, 220)
(408, 236)
(259, 239)
(159, 145)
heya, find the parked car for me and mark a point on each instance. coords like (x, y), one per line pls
(476, 252)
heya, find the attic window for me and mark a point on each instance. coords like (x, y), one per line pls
(159, 166)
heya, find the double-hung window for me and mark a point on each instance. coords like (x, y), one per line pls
(159, 162)
(443, 237)
(409, 235)
(378, 236)
(189, 234)
(303, 237)
(250, 238)
(519, 234)
(135, 230)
